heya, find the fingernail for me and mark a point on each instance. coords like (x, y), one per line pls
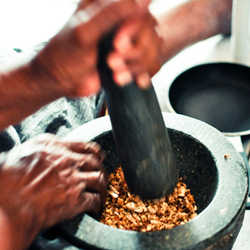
(143, 80)
(124, 78)
(115, 62)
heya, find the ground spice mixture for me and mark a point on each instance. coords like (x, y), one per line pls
(126, 211)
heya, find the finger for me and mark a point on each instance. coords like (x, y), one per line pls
(80, 161)
(132, 29)
(138, 42)
(100, 18)
(115, 62)
(95, 181)
(85, 147)
(90, 162)
(125, 36)
(121, 73)
(123, 78)
(143, 80)
(87, 202)
(101, 186)
(77, 198)
(90, 202)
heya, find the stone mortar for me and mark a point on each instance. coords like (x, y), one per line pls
(219, 186)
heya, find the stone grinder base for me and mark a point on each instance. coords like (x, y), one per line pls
(219, 186)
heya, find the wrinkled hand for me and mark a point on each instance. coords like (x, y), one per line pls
(70, 59)
(137, 51)
(46, 180)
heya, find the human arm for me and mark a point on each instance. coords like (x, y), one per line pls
(66, 66)
(44, 181)
(191, 22)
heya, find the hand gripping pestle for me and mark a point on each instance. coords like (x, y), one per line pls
(140, 135)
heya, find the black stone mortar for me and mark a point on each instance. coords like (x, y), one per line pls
(219, 185)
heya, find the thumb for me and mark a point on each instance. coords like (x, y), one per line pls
(102, 16)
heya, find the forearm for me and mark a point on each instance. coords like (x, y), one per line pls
(23, 91)
(14, 236)
(191, 22)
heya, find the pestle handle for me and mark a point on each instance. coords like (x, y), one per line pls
(140, 135)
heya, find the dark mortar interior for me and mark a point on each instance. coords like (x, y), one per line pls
(194, 162)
